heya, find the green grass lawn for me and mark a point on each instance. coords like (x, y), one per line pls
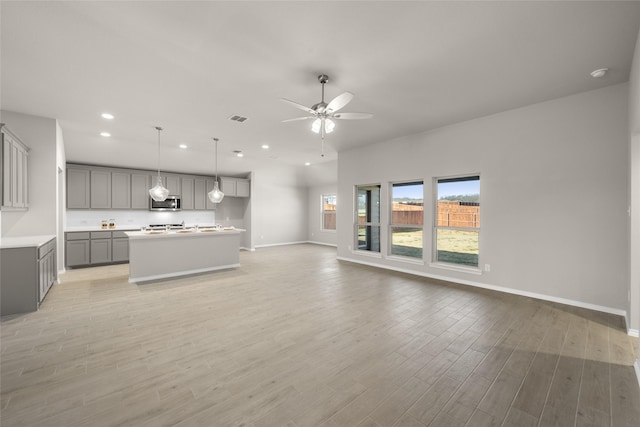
(454, 246)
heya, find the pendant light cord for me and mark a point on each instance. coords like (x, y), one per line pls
(216, 141)
(159, 129)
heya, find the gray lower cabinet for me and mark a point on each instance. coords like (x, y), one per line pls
(85, 248)
(27, 274)
(119, 247)
(100, 251)
(77, 249)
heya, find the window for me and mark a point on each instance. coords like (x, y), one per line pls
(329, 212)
(407, 219)
(457, 220)
(368, 218)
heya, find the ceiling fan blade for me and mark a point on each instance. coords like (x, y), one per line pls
(340, 101)
(352, 116)
(300, 106)
(298, 118)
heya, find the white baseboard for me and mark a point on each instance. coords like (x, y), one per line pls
(322, 243)
(633, 333)
(279, 244)
(242, 248)
(543, 297)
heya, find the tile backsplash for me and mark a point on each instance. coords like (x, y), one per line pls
(133, 218)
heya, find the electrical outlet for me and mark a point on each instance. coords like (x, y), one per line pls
(487, 267)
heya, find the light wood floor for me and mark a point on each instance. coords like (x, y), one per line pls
(296, 338)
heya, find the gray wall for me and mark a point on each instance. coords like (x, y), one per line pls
(314, 198)
(554, 187)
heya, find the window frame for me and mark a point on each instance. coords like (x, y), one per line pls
(434, 244)
(357, 224)
(322, 213)
(392, 225)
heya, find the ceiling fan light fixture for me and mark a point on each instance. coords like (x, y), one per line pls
(329, 125)
(315, 126)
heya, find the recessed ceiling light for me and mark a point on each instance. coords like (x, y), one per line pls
(105, 134)
(107, 116)
(307, 164)
(599, 73)
(183, 146)
(265, 146)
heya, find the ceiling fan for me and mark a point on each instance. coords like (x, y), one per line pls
(324, 113)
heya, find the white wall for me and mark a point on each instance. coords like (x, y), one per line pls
(314, 198)
(61, 184)
(634, 195)
(279, 207)
(40, 135)
(553, 194)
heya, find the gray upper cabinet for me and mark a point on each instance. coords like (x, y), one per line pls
(140, 185)
(100, 189)
(200, 193)
(120, 190)
(15, 163)
(228, 186)
(234, 187)
(78, 188)
(188, 188)
(242, 187)
(173, 185)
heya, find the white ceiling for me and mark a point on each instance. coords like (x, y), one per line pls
(189, 66)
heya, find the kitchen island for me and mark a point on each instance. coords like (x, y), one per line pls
(155, 255)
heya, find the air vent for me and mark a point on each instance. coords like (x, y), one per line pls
(237, 118)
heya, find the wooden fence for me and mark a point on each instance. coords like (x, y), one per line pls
(450, 214)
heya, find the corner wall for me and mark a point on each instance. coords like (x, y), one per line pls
(554, 188)
(279, 208)
(40, 134)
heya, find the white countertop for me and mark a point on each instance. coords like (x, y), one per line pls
(98, 228)
(25, 241)
(180, 233)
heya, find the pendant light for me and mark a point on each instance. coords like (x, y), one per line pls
(159, 193)
(216, 195)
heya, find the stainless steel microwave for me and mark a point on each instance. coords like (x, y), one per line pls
(171, 203)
